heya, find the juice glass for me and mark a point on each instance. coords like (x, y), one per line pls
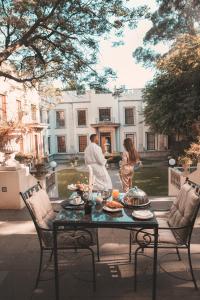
(115, 194)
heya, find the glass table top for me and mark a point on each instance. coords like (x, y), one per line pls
(101, 218)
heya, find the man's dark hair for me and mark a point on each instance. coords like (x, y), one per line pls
(92, 137)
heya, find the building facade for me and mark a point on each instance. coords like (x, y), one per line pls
(112, 116)
(21, 128)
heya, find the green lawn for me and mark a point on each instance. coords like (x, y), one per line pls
(152, 179)
(66, 177)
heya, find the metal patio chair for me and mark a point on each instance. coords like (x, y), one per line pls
(42, 214)
(175, 226)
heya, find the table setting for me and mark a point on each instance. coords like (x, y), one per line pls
(135, 201)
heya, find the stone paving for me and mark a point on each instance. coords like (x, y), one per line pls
(19, 258)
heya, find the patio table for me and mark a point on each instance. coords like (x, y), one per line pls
(101, 219)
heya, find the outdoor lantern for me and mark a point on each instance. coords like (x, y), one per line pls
(172, 162)
(53, 165)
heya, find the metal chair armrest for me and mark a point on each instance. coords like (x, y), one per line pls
(174, 228)
(163, 210)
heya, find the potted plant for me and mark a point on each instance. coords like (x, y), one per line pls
(194, 151)
(72, 162)
(76, 161)
(40, 169)
(185, 162)
(23, 158)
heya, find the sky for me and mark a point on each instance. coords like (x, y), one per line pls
(120, 58)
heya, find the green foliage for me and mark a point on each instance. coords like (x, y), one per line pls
(171, 19)
(172, 98)
(53, 39)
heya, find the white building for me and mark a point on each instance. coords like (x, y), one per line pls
(20, 110)
(112, 116)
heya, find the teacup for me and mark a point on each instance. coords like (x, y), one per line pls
(77, 200)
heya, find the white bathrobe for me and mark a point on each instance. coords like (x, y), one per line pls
(94, 158)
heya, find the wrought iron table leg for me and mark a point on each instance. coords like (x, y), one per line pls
(55, 251)
(155, 263)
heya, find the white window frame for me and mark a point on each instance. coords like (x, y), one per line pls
(57, 135)
(105, 107)
(134, 115)
(146, 142)
(78, 140)
(57, 110)
(86, 113)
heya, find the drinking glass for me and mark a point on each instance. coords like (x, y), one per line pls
(115, 194)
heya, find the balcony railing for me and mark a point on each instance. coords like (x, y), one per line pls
(105, 120)
(176, 179)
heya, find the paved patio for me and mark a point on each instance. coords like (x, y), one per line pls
(20, 254)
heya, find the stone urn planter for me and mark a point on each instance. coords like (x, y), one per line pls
(40, 170)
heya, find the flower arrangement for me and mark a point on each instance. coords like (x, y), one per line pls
(74, 160)
(184, 160)
(83, 183)
(194, 150)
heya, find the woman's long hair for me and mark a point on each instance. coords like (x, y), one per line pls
(129, 147)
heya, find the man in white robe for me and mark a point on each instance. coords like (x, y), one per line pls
(94, 157)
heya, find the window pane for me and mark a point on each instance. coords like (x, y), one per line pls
(3, 108)
(150, 141)
(61, 143)
(60, 118)
(82, 143)
(129, 116)
(81, 117)
(33, 112)
(104, 114)
(19, 110)
(49, 144)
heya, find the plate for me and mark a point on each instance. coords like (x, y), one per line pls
(71, 202)
(72, 187)
(142, 214)
(139, 205)
(108, 209)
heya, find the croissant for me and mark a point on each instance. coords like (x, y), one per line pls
(114, 204)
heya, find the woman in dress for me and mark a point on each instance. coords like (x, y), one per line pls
(130, 158)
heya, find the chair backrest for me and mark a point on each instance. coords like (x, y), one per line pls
(40, 209)
(91, 177)
(184, 210)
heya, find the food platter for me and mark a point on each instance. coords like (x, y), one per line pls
(135, 197)
(135, 202)
(112, 210)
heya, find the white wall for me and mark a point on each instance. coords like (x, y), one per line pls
(14, 91)
(91, 102)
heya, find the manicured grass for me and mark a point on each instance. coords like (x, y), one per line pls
(66, 177)
(153, 180)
